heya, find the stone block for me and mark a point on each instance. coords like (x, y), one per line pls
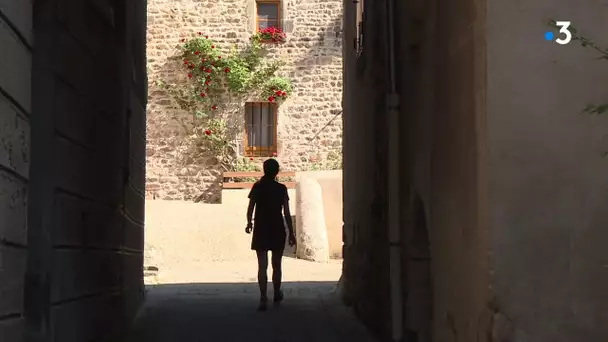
(138, 117)
(11, 330)
(12, 272)
(20, 15)
(77, 67)
(78, 273)
(15, 135)
(79, 171)
(133, 235)
(132, 269)
(137, 174)
(13, 209)
(134, 204)
(96, 318)
(84, 223)
(311, 231)
(69, 117)
(133, 298)
(15, 67)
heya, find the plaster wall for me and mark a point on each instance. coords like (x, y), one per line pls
(547, 184)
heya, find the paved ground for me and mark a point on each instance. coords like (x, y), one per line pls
(205, 289)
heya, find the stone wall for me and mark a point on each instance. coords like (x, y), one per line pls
(15, 110)
(86, 181)
(365, 276)
(313, 56)
(502, 185)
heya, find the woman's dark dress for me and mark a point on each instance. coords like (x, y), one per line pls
(268, 228)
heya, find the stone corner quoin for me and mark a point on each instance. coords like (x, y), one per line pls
(313, 61)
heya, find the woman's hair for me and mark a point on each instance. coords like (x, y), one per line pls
(271, 168)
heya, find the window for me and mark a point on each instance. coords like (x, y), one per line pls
(260, 129)
(267, 14)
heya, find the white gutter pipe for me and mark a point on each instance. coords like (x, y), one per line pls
(394, 205)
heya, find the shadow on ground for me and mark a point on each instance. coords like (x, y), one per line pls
(200, 312)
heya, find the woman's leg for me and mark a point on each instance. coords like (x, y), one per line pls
(262, 273)
(277, 272)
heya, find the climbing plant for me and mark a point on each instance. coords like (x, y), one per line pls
(588, 43)
(213, 88)
(593, 109)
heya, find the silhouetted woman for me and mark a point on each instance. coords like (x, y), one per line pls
(270, 200)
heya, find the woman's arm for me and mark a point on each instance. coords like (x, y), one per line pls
(287, 215)
(250, 211)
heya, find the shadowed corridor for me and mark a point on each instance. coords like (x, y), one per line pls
(474, 194)
(226, 312)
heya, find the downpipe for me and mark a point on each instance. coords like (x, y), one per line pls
(394, 205)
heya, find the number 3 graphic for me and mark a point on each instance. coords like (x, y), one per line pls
(564, 30)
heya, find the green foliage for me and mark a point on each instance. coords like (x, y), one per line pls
(215, 87)
(588, 43)
(246, 165)
(239, 76)
(332, 161)
(277, 89)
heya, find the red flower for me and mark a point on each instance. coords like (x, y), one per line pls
(200, 33)
(284, 94)
(208, 70)
(183, 40)
(250, 158)
(219, 57)
(207, 37)
(203, 94)
(213, 46)
(189, 75)
(201, 67)
(208, 132)
(214, 107)
(278, 92)
(271, 98)
(196, 53)
(207, 90)
(206, 82)
(186, 61)
(227, 70)
(203, 59)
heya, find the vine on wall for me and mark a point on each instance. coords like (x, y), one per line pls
(214, 89)
(593, 109)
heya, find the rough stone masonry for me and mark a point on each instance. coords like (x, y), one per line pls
(313, 56)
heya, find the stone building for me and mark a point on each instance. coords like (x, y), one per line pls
(312, 54)
(475, 210)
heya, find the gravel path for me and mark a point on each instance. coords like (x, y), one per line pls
(205, 289)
